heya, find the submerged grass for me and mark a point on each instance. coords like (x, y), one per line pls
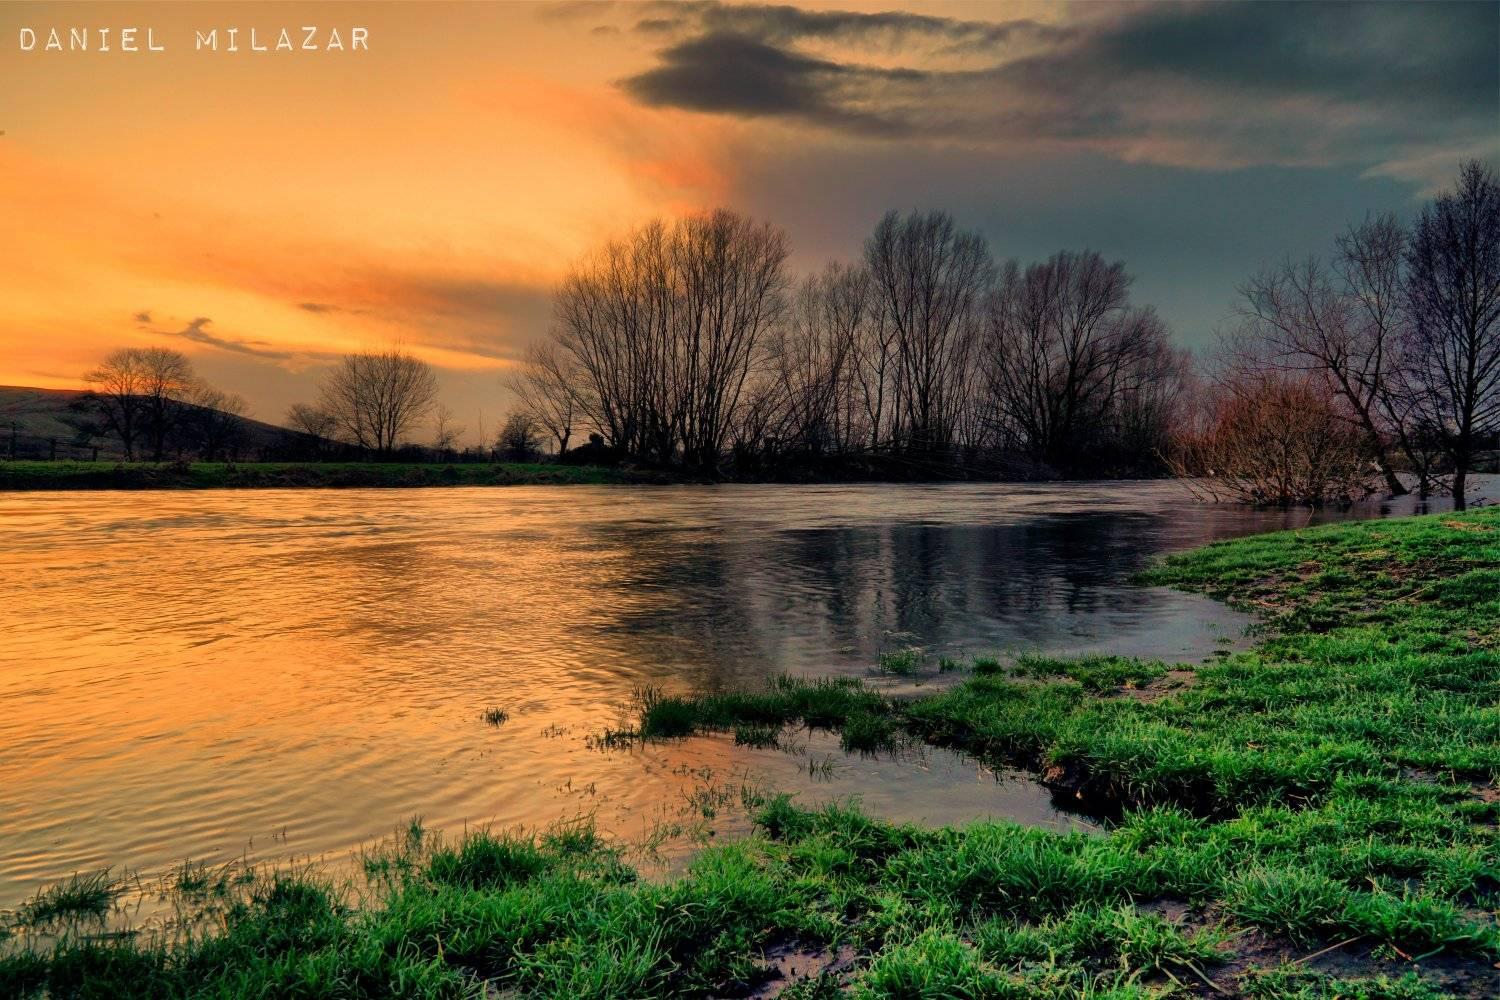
(84, 895)
(1334, 786)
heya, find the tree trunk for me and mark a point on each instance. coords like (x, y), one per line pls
(1391, 482)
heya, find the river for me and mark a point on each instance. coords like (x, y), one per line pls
(292, 673)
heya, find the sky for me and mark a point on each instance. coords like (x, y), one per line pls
(265, 212)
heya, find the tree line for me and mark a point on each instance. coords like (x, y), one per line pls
(689, 343)
(154, 404)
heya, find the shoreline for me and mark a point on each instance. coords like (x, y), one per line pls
(42, 476)
(25, 475)
(1316, 816)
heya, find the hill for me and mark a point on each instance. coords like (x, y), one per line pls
(36, 418)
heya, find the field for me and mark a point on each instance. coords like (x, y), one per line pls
(1318, 817)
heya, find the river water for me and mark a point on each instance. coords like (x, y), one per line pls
(293, 673)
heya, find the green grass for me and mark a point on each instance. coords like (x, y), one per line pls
(1332, 788)
(29, 475)
(85, 895)
(752, 735)
(901, 662)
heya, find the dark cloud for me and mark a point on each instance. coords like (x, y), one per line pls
(783, 24)
(1436, 55)
(143, 317)
(736, 74)
(196, 332)
(318, 307)
(1200, 85)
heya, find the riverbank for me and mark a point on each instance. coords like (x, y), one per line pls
(1316, 817)
(26, 475)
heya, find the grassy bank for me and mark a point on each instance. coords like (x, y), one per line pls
(24, 475)
(1314, 818)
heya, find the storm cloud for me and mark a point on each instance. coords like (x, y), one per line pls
(1213, 85)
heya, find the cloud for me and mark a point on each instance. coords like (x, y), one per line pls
(1383, 86)
(317, 307)
(889, 30)
(196, 332)
(143, 317)
(736, 74)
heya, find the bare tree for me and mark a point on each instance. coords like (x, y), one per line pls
(118, 385)
(1453, 297)
(731, 278)
(141, 395)
(931, 278)
(215, 421)
(547, 385)
(445, 433)
(377, 397)
(1275, 438)
(661, 332)
(875, 361)
(813, 358)
(315, 422)
(1068, 358)
(520, 438)
(168, 383)
(1341, 325)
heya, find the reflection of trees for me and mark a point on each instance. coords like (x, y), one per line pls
(536, 603)
(729, 606)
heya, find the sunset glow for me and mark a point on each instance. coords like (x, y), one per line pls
(265, 212)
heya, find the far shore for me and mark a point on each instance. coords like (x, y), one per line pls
(42, 475)
(106, 475)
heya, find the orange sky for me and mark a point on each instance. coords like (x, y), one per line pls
(264, 212)
(429, 190)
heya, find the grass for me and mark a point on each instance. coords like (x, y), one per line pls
(752, 735)
(494, 716)
(40, 475)
(1332, 790)
(901, 662)
(83, 896)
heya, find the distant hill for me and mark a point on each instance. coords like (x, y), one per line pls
(40, 416)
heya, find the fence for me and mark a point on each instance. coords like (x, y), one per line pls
(15, 445)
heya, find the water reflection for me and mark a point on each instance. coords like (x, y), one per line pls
(185, 673)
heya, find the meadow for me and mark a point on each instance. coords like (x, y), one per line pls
(1316, 817)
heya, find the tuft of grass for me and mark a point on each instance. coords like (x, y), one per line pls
(752, 735)
(83, 895)
(868, 732)
(665, 716)
(1097, 674)
(986, 665)
(901, 662)
(495, 716)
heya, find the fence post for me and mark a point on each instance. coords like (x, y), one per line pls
(14, 430)
(52, 456)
